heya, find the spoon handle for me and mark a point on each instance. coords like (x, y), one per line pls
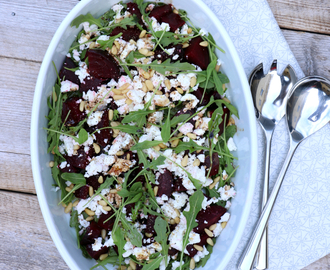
(262, 256)
(251, 249)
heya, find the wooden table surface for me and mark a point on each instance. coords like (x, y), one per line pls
(26, 29)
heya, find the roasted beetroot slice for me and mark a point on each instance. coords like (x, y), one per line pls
(81, 160)
(102, 65)
(208, 217)
(197, 54)
(82, 193)
(96, 254)
(68, 169)
(178, 186)
(150, 224)
(134, 9)
(162, 55)
(68, 74)
(93, 181)
(199, 94)
(174, 20)
(165, 184)
(90, 83)
(129, 207)
(104, 136)
(72, 105)
(109, 224)
(215, 164)
(92, 231)
(127, 34)
(160, 11)
(172, 251)
(139, 267)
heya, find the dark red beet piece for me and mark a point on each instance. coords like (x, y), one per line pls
(102, 65)
(92, 231)
(197, 54)
(199, 94)
(129, 207)
(104, 136)
(211, 214)
(147, 240)
(93, 181)
(134, 9)
(215, 164)
(165, 184)
(75, 116)
(190, 248)
(178, 186)
(109, 224)
(174, 20)
(172, 251)
(139, 267)
(81, 160)
(127, 34)
(162, 55)
(90, 83)
(150, 224)
(82, 193)
(68, 169)
(160, 11)
(68, 74)
(96, 254)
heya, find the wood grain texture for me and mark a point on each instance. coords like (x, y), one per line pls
(24, 240)
(15, 179)
(305, 15)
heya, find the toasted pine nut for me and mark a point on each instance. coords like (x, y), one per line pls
(184, 161)
(82, 106)
(107, 208)
(132, 264)
(148, 235)
(54, 96)
(204, 43)
(132, 41)
(123, 267)
(75, 203)
(114, 124)
(76, 147)
(210, 242)
(196, 162)
(128, 156)
(223, 87)
(68, 189)
(185, 45)
(103, 257)
(89, 218)
(97, 148)
(51, 164)
(64, 205)
(162, 145)
(212, 185)
(130, 268)
(91, 191)
(113, 191)
(142, 34)
(157, 148)
(223, 224)
(180, 90)
(144, 51)
(168, 84)
(177, 220)
(175, 11)
(125, 91)
(175, 143)
(192, 136)
(217, 179)
(198, 247)
(189, 30)
(116, 91)
(120, 153)
(110, 115)
(100, 180)
(212, 227)
(158, 92)
(144, 88)
(149, 84)
(155, 190)
(150, 53)
(129, 101)
(217, 68)
(117, 44)
(197, 123)
(192, 264)
(193, 81)
(172, 221)
(124, 86)
(103, 203)
(114, 50)
(152, 73)
(208, 232)
(103, 233)
(89, 212)
(177, 212)
(68, 208)
(117, 97)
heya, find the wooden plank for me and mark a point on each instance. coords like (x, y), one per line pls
(25, 242)
(18, 80)
(311, 51)
(12, 178)
(305, 15)
(27, 26)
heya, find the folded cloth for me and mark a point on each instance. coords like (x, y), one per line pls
(300, 222)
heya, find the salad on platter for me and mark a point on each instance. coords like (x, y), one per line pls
(142, 132)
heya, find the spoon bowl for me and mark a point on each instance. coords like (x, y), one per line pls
(307, 111)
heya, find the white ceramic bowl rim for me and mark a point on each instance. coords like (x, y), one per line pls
(35, 129)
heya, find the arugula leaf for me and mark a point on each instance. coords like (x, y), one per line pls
(145, 145)
(166, 128)
(162, 235)
(178, 119)
(86, 18)
(104, 44)
(230, 131)
(195, 202)
(74, 223)
(154, 264)
(217, 82)
(129, 129)
(74, 178)
(119, 240)
(231, 107)
(112, 259)
(82, 136)
(191, 146)
(68, 198)
(132, 233)
(139, 117)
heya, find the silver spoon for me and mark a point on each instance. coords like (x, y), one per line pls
(269, 93)
(307, 110)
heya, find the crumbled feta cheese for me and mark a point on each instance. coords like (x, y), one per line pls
(94, 118)
(97, 244)
(68, 86)
(231, 145)
(99, 164)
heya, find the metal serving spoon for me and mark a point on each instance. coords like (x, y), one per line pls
(307, 110)
(269, 93)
